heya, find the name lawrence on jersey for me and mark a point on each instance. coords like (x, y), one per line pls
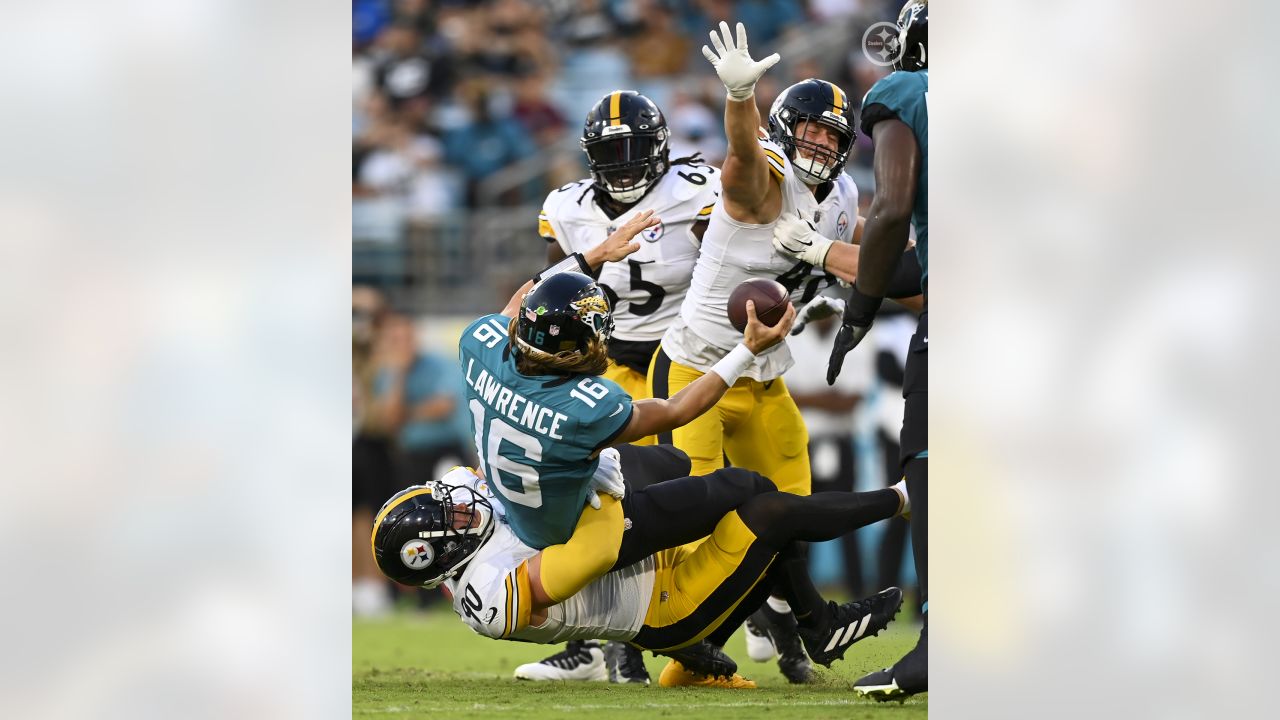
(507, 403)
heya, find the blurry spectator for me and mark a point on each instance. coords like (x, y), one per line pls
(535, 111)
(588, 24)
(419, 393)
(506, 48)
(891, 335)
(824, 10)
(371, 473)
(829, 415)
(406, 71)
(368, 17)
(485, 143)
(659, 50)
(695, 128)
(410, 167)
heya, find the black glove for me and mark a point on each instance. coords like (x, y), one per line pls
(859, 313)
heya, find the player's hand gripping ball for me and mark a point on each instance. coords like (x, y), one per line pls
(770, 297)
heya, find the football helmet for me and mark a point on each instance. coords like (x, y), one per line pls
(813, 101)
(625, 139)
(563, 314)
(913, 36)
(426, 534)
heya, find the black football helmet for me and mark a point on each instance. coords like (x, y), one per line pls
(422, 536)
(913, 36)
(625, 139)
(563, 313)
(816, 101)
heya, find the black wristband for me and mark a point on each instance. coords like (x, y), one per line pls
(861, 308)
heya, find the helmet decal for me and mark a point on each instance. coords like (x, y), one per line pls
(416, 554)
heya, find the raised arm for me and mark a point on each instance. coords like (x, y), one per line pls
(748, 190)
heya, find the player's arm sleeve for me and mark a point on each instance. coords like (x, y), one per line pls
(588, 553)
(611, 417)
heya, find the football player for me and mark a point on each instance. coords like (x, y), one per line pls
(540, 407)
(455, 532)
(626, 141)
(796, 169)
(896, 114)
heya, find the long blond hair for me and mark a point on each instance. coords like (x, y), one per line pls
(530, 361)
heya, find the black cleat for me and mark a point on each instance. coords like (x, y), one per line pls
(907, 677)
(782, 632)
(625, 663)
(848, 623)
(705, 659)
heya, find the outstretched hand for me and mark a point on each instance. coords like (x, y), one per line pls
(620, 243)
(733, 63)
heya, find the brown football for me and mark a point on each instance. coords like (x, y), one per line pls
(770, 299)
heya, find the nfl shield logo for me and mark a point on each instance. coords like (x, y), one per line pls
(554, 329)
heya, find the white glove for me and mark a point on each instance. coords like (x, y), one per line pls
(800, 239)
(822, 306)
(734, 65)
(608, 478)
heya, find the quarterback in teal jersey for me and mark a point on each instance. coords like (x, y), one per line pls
(541, 411)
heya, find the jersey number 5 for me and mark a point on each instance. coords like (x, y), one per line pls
(657, 293)
(515, 480)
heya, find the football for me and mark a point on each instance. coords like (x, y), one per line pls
(770, 298)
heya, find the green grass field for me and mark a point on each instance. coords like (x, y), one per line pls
(428, 664)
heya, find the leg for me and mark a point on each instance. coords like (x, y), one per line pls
(910, 674)
(682, 511)
(645, 466)
(772, 439)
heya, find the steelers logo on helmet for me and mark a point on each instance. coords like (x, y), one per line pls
(813, 121)
(416, 555)
(625, 139)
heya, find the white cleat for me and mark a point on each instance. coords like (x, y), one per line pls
(581, 660)
(759, 646)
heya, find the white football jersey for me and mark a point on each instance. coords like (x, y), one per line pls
(491, 595)
(649, 284)
(733, 252)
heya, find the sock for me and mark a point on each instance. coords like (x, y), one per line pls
(901, 487)
(777, 604)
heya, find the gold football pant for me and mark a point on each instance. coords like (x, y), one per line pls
(756, 424)
(697, 588)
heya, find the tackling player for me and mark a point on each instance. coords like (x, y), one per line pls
(661, 599)
(625, 138)
(795, 170)
(896, 114)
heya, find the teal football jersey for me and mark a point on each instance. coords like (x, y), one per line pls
(535, 434)
(905, 95)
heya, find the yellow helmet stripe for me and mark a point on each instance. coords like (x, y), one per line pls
(382, 515)
(615, 108)
(837, 98)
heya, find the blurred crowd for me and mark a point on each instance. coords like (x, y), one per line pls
(461, 104)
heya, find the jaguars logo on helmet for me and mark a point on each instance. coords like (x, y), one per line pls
(426, 534)
(625, 139)
(571, 303)
(813, 101)
(913, 36)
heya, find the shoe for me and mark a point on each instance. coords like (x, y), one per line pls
(705, 659)
(907, 677)
(848, 623)
(781, 630)
(759, 646)
(580, 660)
(625, 664)
(676, 675)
